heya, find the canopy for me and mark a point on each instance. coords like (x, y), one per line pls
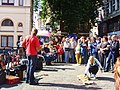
(44, 33)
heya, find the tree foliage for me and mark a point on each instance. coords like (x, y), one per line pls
(75, 14)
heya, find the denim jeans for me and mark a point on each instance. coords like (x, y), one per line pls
(32, 62)
(93, 54)
(72, 55)
(102, 58)
(112, 56)
(85, 56)
(67, 53)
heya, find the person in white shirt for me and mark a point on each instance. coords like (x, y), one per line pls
(72, 49)
(67, 50)
(92, 67)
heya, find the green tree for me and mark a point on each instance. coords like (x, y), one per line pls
(74, 14)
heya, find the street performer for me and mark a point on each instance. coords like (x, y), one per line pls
(32, 45)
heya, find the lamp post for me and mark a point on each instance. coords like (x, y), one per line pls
(48, 26)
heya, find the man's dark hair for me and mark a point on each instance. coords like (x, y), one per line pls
(34, 31)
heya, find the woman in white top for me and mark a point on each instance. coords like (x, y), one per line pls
(92, 67)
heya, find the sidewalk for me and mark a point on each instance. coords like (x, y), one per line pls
(62, 76)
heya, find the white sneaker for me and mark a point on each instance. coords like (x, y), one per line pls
(94, 77)
(91, 75)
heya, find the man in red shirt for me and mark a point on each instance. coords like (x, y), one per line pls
(32, 45)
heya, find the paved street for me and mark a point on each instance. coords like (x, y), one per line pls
(64, 77)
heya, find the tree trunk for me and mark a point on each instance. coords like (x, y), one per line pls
(61, 26)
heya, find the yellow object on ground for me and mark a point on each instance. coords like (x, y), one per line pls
(85, 80)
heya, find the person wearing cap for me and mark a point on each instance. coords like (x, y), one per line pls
(113, 54)
(32, 45)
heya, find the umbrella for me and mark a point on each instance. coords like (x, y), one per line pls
(44, 33)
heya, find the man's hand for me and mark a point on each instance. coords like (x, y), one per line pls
(39, 48)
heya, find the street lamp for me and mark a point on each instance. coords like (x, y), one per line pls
(48, 27)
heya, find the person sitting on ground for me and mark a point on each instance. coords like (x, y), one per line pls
(92, 67)
(47, 54)
(117, 74)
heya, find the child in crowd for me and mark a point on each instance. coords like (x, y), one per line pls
(92, 67)
(60, 53)
(117, 73)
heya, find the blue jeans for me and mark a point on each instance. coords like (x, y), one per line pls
(93, 54)
(72, 55)
(32, 62)
(85, 56)
(67, 53)
(112, 56)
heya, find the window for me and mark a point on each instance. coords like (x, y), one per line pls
(20, 2)
(113, 5)
(7, 2)
(7, 22)
(10, 41)
(111, 27)
(107, 8)
(20, 24)
(116, 26)
(3, 41)
(110, 6)
(118, 4)
(7, 41)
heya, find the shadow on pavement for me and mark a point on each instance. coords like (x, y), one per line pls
(62, 64)
(64, 68)
(106, 79)
(50, 69)
(70, 86)
(57, 68)
(9, 86)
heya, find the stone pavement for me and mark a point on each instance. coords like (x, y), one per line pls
(63, 76)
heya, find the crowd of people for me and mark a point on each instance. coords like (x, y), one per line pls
(90, 51)
(69, 50)
(105, 49)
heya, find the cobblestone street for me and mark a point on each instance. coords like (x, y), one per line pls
(62, 76)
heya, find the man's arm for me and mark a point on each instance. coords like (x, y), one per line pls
(24, 43)
(37, 45)
(87, 68)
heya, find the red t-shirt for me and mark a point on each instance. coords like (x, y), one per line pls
(31, 43)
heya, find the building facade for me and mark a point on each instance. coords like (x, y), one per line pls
(111, 23)
(14, 21)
